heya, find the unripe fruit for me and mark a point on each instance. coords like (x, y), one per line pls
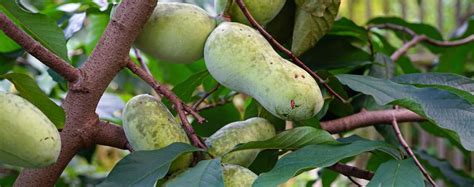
(262, 10)
(149, 125)
(27, 137)
(239, 58)
(176, 32)
(226, 138)
(238, 176)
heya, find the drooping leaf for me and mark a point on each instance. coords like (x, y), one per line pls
(185, 89)
(29, 90)
(457, 84)
(397, 173)
(314, 156)
(314, 19)
(437, 131)
(443, 169)
(205, 173)
(440, 107)
(39, 26)
(280, 26)
(144, 168)
(291, 139)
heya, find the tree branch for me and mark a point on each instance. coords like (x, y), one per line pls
(368, 118)
(280, 47)
(409, 151)
(417, 38)
(203, 98)
(110, 135)
(106, 61)
(33, 47)
(352, 171)
(180, 107)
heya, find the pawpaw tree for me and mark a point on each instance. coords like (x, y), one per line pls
(231, 93)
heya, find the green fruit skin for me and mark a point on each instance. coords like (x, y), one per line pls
(27, 137)
(149, 125)
(238, 176)
(226, 138)
(176, 33)
(239, 58)
(263, 11)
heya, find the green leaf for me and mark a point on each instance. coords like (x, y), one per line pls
(30, 91)
(265, 161)
(346, 27)
(7, 44)
(144, 168)
(97, 21)
(314, 19)
(314, 156)
(205, 173)
(333, 52)
(291, 139)
(436, 130)
(457, 84)
(216, 118)
(397, 173)
(39, 26)
(185, 89)
(279, 26)
(443, 169)
(440, 107)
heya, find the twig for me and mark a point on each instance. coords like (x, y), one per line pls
(70, 73)
(280, 47)
(351, 171)
(195, 105)
(417, 38)
(145, 67)
(368, 118)
(180, 107)
(353, 181)
(409, 151)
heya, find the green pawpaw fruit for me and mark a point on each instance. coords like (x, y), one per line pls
(238, 176)
(239, 58)
(176, 33)
(149, 125)
(27, 137)
(226, 138)
(262, 10)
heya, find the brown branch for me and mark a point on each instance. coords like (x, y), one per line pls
(110, 135)
(417, 38)
(352, 171)
(404, 49)
(145, 67)
(180, 107)
(33, 47)
(280, 47)
(409, 151)
(106, 61)
(203, 98)
(368, 118)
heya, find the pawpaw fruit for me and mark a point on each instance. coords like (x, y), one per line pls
(149, 125)
(238, 57)
(226, 138)
(27, 137)
(176, 33)
(263, 11)
(238, 176)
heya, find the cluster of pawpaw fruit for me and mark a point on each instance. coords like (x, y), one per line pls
(239, 58)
